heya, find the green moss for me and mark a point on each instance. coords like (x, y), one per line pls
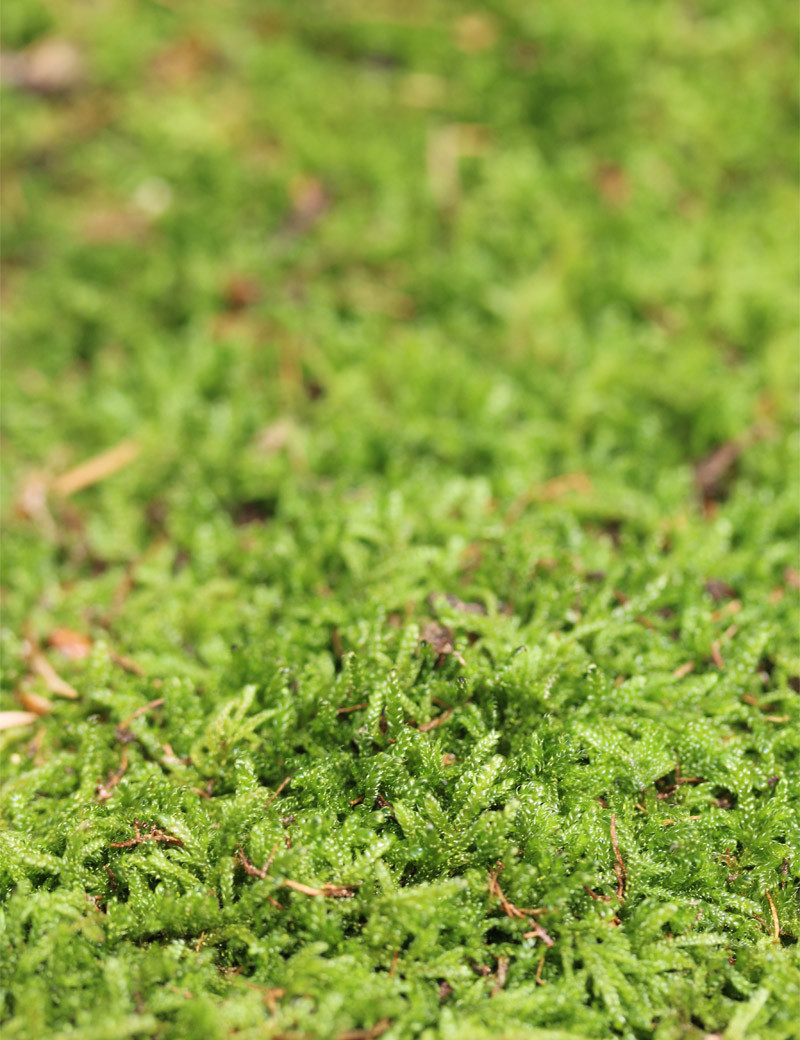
(419, 437)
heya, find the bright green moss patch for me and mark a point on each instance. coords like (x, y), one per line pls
(436, 656)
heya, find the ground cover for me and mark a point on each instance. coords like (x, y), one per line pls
(400, 521)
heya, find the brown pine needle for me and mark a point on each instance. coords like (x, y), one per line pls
(539, 980)
(619, 866)
(426, 727)
(328, 891)
(95, 469)
(500, 976)
(776, 924)
(127, 664)
(124, 726)
(716, 656)
(683, 670)
(277, 791)
(353, 707)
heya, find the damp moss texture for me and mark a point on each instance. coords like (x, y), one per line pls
(400, 521)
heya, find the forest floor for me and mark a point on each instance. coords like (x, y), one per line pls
(400, 521)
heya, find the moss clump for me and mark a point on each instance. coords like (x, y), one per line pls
(434, 647)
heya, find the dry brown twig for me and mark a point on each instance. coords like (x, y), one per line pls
(619, 865)
(539, 933)
(104, 791)
(596, 896)
(328, 891)
(519, 913)
(154, 834)
(426, 727)
(250, 868)
(124, 726)
(776, 924)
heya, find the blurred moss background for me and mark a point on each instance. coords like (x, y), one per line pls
(506, 241)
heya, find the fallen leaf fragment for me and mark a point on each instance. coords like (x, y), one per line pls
(475, 32)
(34, 702)
(310, 200)
(274, 437)
(447, 145)
(365, 1034)
(15, 719)
(719, 590)
(557, 487)
(52, 66)
(73, 645)
(127, 664)
(441, 639)
(183, 61)
(459, 604)
(240, 292)
(95, 469)
(612, 185)
(713, 473)
(52, 680)
(109, 226)
(31, 503)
